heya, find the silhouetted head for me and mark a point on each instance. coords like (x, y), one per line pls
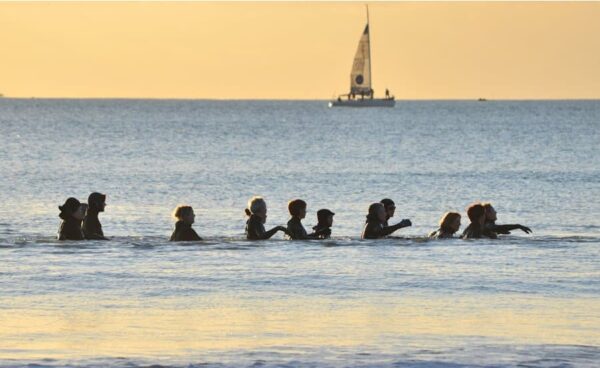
(490, 212)
(450, 222)
(325, 217)
(476, 213)
(69, 208)
(377, 212)
(184, 213)
(297, 208)
(390, 207)
(258, 207)
(97, 201)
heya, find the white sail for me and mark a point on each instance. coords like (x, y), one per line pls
(360, 77)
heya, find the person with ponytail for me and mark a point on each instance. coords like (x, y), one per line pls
(183, 227)
(257, 217)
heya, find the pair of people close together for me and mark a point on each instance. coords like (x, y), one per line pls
(80, 221)
(483, 224)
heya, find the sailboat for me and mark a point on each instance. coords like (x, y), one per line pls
(361, 91)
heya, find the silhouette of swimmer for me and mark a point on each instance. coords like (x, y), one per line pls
(257, 217)
(449, 225)
(476, 214)
(390, 209)
(325, 222)
(72, 213)
(92, 229)
(491, 230)
(295, 229)
(183, 227)
(374, 226)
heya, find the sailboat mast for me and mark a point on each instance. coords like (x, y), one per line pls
(370, 60)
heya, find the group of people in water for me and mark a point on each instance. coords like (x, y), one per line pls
(80, 221)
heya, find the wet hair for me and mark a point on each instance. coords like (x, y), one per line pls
(486, 205)
(448, 218)
(386, 202)
(373, 208)
(255, 204)
(69, 207)
(295, 206)
(95, 200)
(475, 211)
(182, 211)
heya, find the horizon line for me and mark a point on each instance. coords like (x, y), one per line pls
(485, 99)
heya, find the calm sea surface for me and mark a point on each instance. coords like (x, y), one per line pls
(138, 300)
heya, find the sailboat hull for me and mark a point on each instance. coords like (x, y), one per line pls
(368, 102)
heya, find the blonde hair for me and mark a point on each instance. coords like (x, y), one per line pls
(182, 211)
(255, 204)
(448, 218)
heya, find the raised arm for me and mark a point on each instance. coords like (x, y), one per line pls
(387, 230)
(506, 229)
(268, 234)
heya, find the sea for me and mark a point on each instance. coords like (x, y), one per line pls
(138, 300)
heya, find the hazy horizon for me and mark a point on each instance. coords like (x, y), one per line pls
(299, 51)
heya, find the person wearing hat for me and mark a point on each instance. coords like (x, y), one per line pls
(92, 229)
(325, 221)
(296, 230)
(71, 213)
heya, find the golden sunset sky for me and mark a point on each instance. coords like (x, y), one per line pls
(299, 50)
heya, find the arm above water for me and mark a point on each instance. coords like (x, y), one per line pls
(506, 229)
(268, 234)
(387, 230)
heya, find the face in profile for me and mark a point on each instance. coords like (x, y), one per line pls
(455, 225)
(391, 210)
(330, 220)
(262, 214)
(302, 213)
(190, 218)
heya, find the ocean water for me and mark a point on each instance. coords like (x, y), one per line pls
(139, 301)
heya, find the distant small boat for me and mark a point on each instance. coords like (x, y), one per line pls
(481, 99)
(361, 92)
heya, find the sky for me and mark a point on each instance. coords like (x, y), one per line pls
(426, 50)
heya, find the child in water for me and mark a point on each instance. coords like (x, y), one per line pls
(295, 229)
(72, 213)
(375, 225)
(183, 227)
(257, 217)
(449, 225)
(325, 221)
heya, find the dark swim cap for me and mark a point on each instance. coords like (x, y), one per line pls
(71, 205)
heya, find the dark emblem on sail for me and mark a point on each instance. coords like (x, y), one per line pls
(359, 79)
